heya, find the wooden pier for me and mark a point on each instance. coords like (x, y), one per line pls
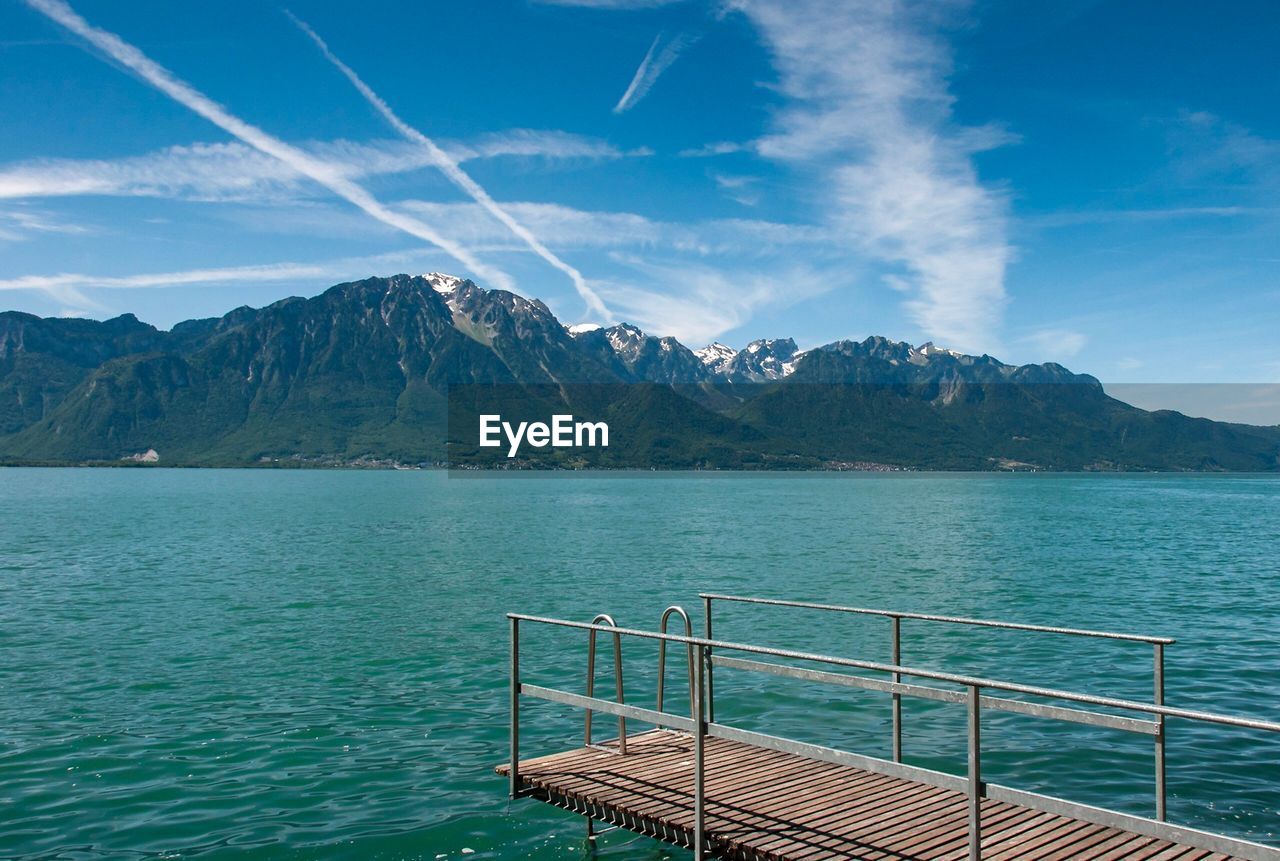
(698, 781)
(765, 804)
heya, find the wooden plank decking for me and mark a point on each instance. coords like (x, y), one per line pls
(764, 804)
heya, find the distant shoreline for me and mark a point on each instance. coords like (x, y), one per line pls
(531, 470)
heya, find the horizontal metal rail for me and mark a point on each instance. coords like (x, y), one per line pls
(701, 725)
(952, 678)
(1101, 719)
(896, 618)
(622, 710)
(930, 617)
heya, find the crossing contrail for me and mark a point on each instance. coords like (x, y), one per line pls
(304, 163)
(651, 68)
(456, 174)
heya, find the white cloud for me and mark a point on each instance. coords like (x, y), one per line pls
(1206, 148)
(738, 188)
(714, 149)
(69, 284)
(697, 303)
(457, 176)
(695, 281)
(567, 227)
(299, 160)
(234, 172)
(21, 223)
(538, 143)
(1107, 216)
(868, 132)
(869, 115)
(651, 68)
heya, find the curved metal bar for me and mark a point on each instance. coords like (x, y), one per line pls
(599, 622)
(662, 650)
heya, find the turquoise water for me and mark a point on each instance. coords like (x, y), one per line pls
(314, 664)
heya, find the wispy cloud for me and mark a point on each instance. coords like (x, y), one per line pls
(229, 171)
(456, 174)
(714, 149)
(234, 172)
(538, 143)
(655, 62)
(303, 162)
(738, 188)
(696, 303)
(869, 116)
(694, 281)
(1206, 148)
(350, 267)
(21, 223)
(1108, 216)
(628, 231)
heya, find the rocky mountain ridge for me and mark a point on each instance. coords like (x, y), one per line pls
(370, 371)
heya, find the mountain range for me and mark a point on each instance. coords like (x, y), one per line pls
(397, 370)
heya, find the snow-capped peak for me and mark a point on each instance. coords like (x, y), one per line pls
(442, 283)
(625, 336)
(583, 328)
(715, 354)
(930, 349)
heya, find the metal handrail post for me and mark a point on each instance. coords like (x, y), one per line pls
(515, 708)
(1158, 676)
(976, 790)
(936, 675)
(699, 756)
(897, 698)
(606, 619)
(662, 650)
(710, 670)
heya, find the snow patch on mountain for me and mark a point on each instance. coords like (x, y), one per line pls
(763, 359)
(625, 339)
(442, 283)
(715, 355)
(583, 328)
(929, 349)
(788, 367)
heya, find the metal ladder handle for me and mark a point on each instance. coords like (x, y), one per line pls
(606, 619)
(662, 650)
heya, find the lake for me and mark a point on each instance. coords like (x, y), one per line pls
(313, 664)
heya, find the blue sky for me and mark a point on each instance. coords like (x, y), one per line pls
(1084, 182)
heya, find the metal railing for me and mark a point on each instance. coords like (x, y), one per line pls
(700, 724)
(895, 618)
(605, 619)
(662, 650)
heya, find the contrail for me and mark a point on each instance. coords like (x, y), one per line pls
(320, 171)
(457, 175)
(649, 69)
